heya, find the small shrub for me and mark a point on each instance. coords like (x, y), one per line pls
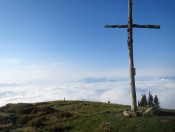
(58, 128)
(22, 120)
(42, 110)
(37, 122)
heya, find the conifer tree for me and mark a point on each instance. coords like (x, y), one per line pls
(150, 100)
(138, 102)
(156, 101)
(143, 101)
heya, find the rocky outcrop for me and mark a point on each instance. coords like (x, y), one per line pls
(129, 113)
(152, 111)
(159, 112)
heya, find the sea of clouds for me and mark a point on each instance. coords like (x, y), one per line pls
(115, 91)
(56, 81)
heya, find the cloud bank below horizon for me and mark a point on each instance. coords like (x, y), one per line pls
(54, 81)
(115, 91)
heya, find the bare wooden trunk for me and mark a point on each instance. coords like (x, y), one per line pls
(131, 62)
(130, 26)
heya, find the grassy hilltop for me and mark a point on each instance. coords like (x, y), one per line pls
(78, 116)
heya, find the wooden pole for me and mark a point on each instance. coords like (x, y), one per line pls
(131, 62)
(130, 26)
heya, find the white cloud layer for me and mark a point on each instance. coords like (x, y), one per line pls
(53, 81)
(116, 92)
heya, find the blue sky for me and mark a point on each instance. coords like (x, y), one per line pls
(73, 32)
(54, 41)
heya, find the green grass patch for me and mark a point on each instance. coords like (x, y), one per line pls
(79, 116)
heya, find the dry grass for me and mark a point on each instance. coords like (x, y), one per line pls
(4, 126)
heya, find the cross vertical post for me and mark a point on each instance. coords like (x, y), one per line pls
(131, 61)
(130, 27)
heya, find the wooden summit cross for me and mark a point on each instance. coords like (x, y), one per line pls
(130, 26)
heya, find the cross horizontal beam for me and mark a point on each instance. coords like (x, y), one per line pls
(133, 25)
